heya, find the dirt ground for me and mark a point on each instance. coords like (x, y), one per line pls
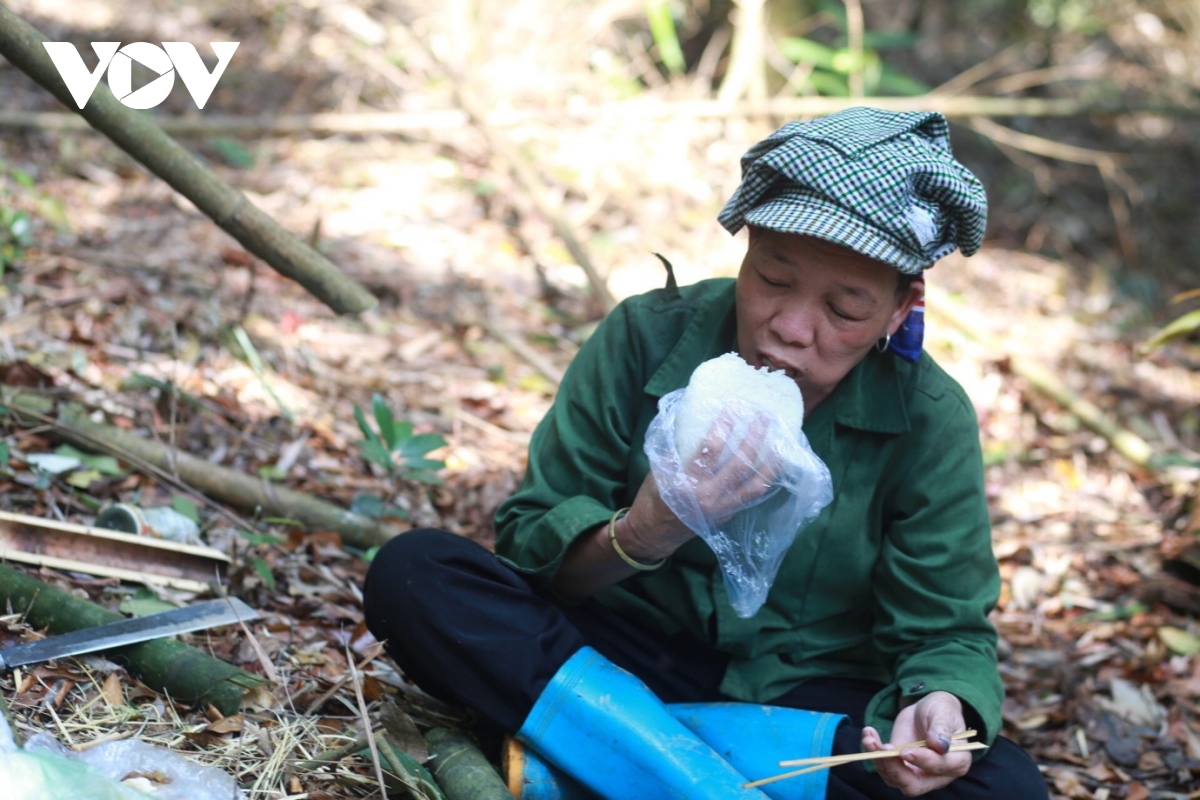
(127, 290)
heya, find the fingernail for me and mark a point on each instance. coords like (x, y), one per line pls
(945, 740)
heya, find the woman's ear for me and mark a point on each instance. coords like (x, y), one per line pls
(905, 301)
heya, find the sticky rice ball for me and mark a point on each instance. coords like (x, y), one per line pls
(728, 381)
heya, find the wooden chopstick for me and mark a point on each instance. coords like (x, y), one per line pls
(801, 762)
(826, 762)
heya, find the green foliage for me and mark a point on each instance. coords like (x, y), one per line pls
(1184, 325)
(232, 152)
(413, 779)
(250, 352)
(16, 234)
(264, 571)
(16, 223)
(96, 466)
(142, 601)
(833, 64)
(262, 538)
(105, 465)
(396, 448)
(1077, 16)
(373, 507)
(185, 506)
(666, 38)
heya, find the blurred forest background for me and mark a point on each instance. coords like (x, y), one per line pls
(498, 175)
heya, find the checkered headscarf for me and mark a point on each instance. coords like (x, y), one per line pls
(882, 183)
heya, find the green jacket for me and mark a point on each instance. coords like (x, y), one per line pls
(894, 580)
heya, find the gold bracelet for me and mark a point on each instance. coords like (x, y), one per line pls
(612, 539)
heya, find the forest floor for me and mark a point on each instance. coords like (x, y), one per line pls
(129, 301)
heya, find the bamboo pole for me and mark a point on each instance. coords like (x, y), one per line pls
(165, 665)
(647, 109)
(461, 769)
(225, 485)
(138, 135)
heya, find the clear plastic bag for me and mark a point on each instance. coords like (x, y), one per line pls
(751, 542)
(45, 770)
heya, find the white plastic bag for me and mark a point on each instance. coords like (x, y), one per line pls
(45, 770)
(750, 542)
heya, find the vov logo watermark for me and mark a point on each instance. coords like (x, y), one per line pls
(165, 61)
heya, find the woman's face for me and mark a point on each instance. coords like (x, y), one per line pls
(814, 308)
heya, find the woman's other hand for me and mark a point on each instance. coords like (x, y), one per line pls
(918, 770)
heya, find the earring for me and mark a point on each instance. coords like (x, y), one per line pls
(883, 344)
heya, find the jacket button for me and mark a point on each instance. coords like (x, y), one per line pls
(916, 687)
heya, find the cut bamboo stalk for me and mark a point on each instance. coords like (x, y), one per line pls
(461, 769)
(137, 134)
(96, 551)
(165, 665)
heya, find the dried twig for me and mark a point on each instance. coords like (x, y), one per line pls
(649, 111)
(327, 757)
(366, 720)
(535, 359)
(744, 77)
(854, 37)
(1108, 163)
(973, 75)
(1042, 146)
(834, 761)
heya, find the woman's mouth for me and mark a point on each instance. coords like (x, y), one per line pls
(778, 366)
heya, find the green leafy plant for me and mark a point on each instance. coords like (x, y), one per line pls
(396, 448)
(16, 225)
(373, 507)
(666, 38)
(187, 507)
(264, 571)
(16, 234)
(254, 360)
(831, 65)
(1180, 326)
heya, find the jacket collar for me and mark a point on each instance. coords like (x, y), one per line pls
(869, 398)
(708, 334)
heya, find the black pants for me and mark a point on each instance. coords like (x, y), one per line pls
(469, 630)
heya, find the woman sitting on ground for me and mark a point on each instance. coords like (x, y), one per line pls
(601, 609)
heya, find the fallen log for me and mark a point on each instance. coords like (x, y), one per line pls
(225, 485)
(137, 134)
(181, 672)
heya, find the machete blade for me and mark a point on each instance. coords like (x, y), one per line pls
(209, 614)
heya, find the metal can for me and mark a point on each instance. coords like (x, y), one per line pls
(162, 522)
